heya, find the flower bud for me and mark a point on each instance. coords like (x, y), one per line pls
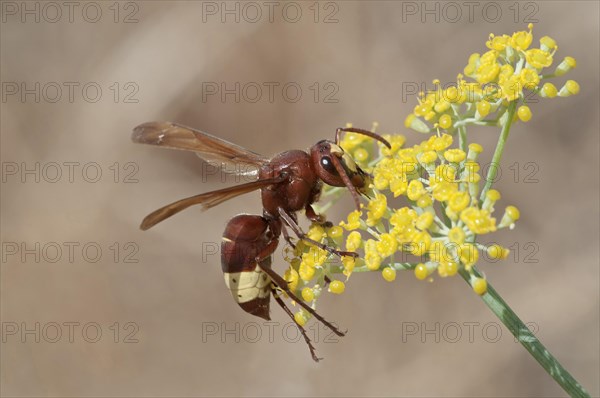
(511, 214)
(413, 122)
(571, 87)
(566, 65)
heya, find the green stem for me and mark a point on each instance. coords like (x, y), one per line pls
(522, 333)
(338, 269)
(462, 130)
(462, 138)
(476, 122)
(493, 170)
(445, 219)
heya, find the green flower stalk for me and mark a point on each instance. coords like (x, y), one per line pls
(448, 204)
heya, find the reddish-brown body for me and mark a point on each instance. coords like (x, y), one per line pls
(289, 182)
(249, 240)
(301, 189)
(246, 239)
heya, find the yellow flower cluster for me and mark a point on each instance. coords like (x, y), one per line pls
(444, 239)
(444, 207)
(310, 267)
(424, 236)
(509, 71)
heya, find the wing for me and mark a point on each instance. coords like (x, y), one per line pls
(206, 200)
(230, 158)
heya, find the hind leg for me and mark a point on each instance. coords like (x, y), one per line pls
(302, 330)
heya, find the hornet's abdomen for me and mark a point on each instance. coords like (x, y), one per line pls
(245, 237)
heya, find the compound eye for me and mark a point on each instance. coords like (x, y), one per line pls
(327, 164)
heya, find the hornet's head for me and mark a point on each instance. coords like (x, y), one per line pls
(335, 167)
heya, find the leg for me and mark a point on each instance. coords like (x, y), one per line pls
(283, 285)
(302, 330)
(287, 238)
(313, 216)
(301, 235)
(317, 218)
(265, 252)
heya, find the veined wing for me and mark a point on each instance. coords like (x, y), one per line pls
(229, 157)
(206, 200)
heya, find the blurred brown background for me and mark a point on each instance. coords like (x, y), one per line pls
(166, 58)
